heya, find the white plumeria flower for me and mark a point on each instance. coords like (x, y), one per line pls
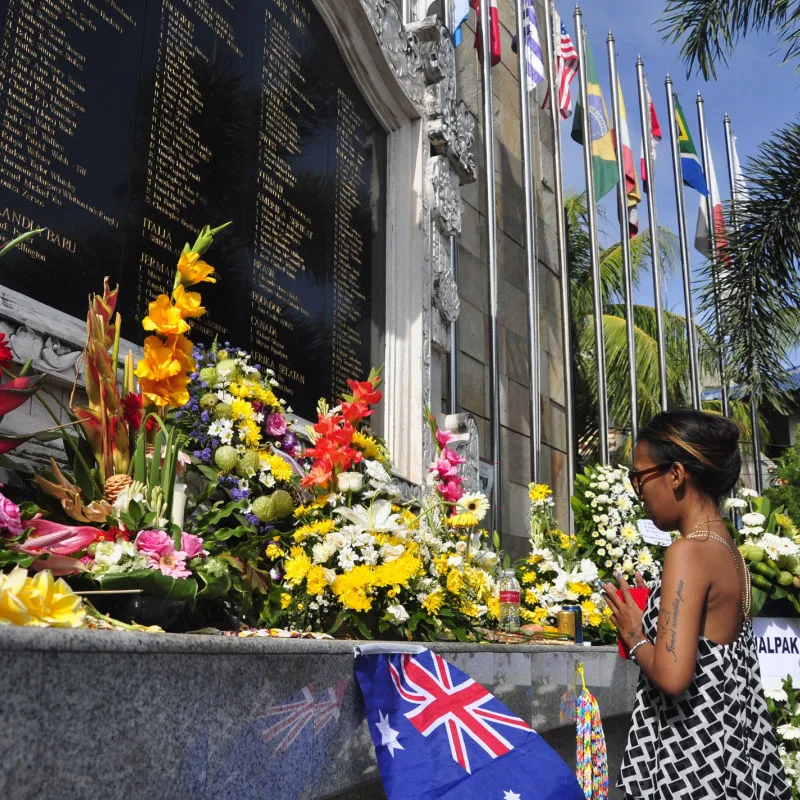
(377, 518)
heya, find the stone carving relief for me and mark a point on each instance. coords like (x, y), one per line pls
(466, 443)
(445, 196)
(46, 353)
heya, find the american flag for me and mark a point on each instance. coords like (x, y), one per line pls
(566, 67)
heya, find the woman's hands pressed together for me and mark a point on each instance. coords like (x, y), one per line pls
(626, 615)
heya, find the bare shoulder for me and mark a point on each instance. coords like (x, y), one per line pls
(686, 556)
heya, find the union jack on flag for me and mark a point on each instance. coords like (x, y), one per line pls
(440, 735)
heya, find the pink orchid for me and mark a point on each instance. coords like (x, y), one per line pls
(192, 545)
(56, 538)
(9, 516)
(451, 491)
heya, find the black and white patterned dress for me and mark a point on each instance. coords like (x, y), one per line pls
(714, 741)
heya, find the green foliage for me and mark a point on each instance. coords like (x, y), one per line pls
(786, 712)
(786, 490)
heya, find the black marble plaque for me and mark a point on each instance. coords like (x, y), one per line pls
(126, 125)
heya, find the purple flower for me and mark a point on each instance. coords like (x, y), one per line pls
(204, 416)
(275, 425)
(9, 516)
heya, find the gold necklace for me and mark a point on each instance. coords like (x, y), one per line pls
(700, 525)
(746, 588)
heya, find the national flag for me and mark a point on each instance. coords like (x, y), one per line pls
(702, 236)
(740, 191)
(566, 67)
(534, 65)
(634, 196)
(691, 166)
(655, 137)
(604, 158)
(494, 31)
(439, 735)
(460, 14)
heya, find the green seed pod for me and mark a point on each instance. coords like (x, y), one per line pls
(209, 375)
(785, 578)
(226, 458)
(223, 411)
(209, 400)
(227, 370)
(248, 464)
(282, 504)
(262, 508)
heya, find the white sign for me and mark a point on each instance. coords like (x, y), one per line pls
(778, 647)
(653, 535)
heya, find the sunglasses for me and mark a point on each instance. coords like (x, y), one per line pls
(637, 475)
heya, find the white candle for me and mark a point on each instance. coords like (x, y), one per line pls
(178, 504)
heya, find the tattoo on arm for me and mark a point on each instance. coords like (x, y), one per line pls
(671, 620)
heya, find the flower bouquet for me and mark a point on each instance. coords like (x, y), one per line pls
(363, 561)
(559, 573)
(770, 545)
(784, 707)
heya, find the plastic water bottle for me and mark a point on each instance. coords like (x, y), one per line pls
(509, 601)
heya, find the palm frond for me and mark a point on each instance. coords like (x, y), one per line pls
(708, 30)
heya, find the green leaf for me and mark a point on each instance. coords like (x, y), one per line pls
(13, 557)
(214, 585)
(758, 598)
(152, 581)
(219, 511)
(140, 459)
(224, 534)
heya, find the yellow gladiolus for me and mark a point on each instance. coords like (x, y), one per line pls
(192, 269)
(188, 303)
(164, 318)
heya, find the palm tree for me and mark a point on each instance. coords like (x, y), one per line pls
(615, 336)
(760, 308)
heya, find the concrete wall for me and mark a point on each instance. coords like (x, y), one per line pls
(474, 323)
(122, 716)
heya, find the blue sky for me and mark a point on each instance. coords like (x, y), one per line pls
(758, 92)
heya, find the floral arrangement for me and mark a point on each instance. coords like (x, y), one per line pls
(784, 707)
(770, 544)
(362, 558)
(558, 573)
(606, 515)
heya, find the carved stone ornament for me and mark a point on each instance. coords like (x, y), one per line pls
(46, 353)
(445, 297)
(445, 196)
(466, 442)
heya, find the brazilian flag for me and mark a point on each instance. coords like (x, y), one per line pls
(604, 157)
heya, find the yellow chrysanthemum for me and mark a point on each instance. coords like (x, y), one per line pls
(360, 577)
(273, 551)
(528, 577)
(192, 269)
(357, 600)
(440, 562)
(39, 601)
(470, 609)
(455, 583)
(531, 598)
(285, 600)
(400, 571)
(534, 559)
(581, 588)
(164, 318)
(463, 520)
(319, 527)
(539, 615)
(281, 469)
(493, 605)
(242, 409)
(785, 522)
(316, 582)
(250, 433)
(367, 445)
(268, 397)
(297, 566)
(433, 602)
(302, 511)
(565, 541)
(539, 491)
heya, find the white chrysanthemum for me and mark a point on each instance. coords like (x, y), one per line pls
(745, 492)
(629, 532)
(778, 695)
(788, 731)
(753, 519)
(645, 557)
(735, 502)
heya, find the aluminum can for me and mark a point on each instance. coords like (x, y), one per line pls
(577, 621)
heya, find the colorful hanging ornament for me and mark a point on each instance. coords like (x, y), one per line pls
(591, 755)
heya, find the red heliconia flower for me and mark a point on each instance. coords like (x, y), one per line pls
(14, 393)
(6, 356)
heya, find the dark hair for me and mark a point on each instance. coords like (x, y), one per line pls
(706, 444)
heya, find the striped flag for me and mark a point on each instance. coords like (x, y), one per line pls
(655, 137)
(631, 181)
(460, 15)
(494, 31)
(566, 67)
(702, 236)
(691, 167)
(533, 49)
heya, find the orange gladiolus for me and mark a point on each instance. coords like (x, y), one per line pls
(165, 318)
(188, 302)
(194, 270)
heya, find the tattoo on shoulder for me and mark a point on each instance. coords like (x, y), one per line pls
(671, 621)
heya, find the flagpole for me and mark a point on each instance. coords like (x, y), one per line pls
(530, 247)
(561, 230)
(705, 152)
(491, 247)
(622, 201)
(691, 332)
(594, 247)
(754, 393)
(644, 109)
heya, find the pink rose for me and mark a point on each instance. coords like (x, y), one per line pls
(276, 425)
(9, 516)
(154, 543)
(192, 545)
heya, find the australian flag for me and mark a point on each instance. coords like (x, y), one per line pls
(439, 735)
